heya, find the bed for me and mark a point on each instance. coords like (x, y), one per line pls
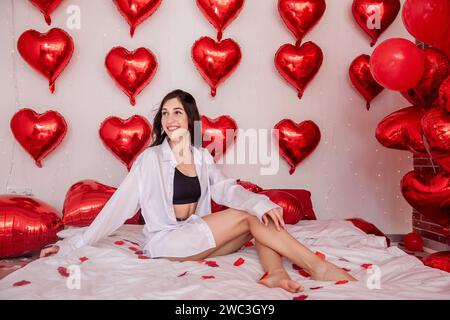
(116, 269)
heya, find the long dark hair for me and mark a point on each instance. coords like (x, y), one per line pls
(190, 107)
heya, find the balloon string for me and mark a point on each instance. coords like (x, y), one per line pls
(427, 147)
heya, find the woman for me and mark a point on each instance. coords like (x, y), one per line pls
(173, 183)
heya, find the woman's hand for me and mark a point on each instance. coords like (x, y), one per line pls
(277, 217)
(48, 251)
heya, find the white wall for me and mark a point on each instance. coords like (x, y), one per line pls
(349, 174)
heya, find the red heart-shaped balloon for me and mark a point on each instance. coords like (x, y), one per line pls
(444, 94)
(300, 16)
(215, 60)
(296, 141)
(48, 53)
(136, 11)
(220, 13)
(402, 130)
(299, 65)
(47, 7)
(26, 225)
(375, 16)
(39, 134)
(363, 80)
(436, 131)
(132, 71)
(218, 134)
(292, 208)
(437, 68)
(429, 194)
(83, 202)
(126, 138)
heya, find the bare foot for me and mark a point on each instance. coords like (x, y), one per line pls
(280, 278)
(329, 272)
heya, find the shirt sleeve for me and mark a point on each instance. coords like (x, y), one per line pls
(226, 191)
(122, 205)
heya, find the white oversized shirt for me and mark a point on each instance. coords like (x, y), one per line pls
(149, 186)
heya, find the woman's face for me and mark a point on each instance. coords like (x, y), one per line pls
(174, 119)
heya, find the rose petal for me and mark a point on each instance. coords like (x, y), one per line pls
(143, 257)
(119, 243)
(239, 262)
(209, 263)
(366, 265)
(315, 288)
(83, 259)
(135, 243)
(63, 271)
(133, 248)
(341, 282)
(2, 266)
(183, 274)
(301, 297)
(296, 267)
(249, 244)
(21, 283)
(304, 273)
(264, 275)
(347, 270)
(139, 252)
(208, 277)
(321, 255)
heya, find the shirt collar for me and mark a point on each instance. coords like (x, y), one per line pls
(169, 156)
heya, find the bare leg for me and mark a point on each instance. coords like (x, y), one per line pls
(273, 266)
(232, 246)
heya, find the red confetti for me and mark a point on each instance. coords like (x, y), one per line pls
(315, 288)
(304, 273)
(264, 275)
(21, 283)
(143, 257)
(133, 248)
(119, 243)
(296, 267)
(64, 272)
(208, 277)
(239, 262)
(341, 282)
(183, 274)
(366, 265)
(321, 255)
(302, 297)
(83, 259)
(139, 252)
(347, 270)
(249, 244)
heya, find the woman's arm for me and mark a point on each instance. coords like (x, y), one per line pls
(227, 192)
(123, 205)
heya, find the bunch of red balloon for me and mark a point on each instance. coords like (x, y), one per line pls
(422, 76)
(298, 64)
(217, 60)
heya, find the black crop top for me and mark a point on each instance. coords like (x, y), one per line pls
(185, 189)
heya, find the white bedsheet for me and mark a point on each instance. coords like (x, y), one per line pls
(114, 271)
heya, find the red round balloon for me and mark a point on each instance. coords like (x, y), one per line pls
(126, 139)
(413, 242)
(26, 225)
(39, 134)
(47, 7)
(215, 60)
(402, 130)
(132, 71)
(375, 16)
(444, 94)
(300, 16)
(83, 202)
(292, 207)
(438, 260)
(136, 11)
(397, 64)
(436, 131)
(428, 21)
(296, 141)
(218, 134)
(437, 68)
(429, 194)
(48, 53)
(363, 80)
(299, 65)
(220, 13)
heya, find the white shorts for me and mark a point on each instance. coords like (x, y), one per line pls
(192, 236)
